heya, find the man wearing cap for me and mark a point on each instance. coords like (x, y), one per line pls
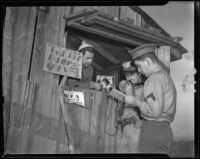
(131, 116)
(159, 107)
(87, 70)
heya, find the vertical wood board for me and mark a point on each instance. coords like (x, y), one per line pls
(50, 28)
(23, 38)
(163, 54)
(7, 68)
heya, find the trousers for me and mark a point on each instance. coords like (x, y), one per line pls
(129, 140)
(156, 137)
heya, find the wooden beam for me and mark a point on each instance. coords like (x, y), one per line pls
(163, 54)
(135, 31)
(128, 48)
(175, 53)
(139, 32)
(103, 52)
(104, 34)
(79, 15)
(129, 30)
(111, 36)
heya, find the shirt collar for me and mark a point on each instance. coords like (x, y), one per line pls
(156, 69)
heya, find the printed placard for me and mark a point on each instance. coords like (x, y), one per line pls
(74, 97)
(62, 61)
(110, 79)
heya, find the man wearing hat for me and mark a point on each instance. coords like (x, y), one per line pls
(159, 107)
(131, 116)
(87, 70)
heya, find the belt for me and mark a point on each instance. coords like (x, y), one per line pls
(156, 120)
(127, 121)
(144, 119)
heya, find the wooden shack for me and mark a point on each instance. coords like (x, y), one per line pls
(33, 119)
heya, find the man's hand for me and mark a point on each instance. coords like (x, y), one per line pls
(126, 87)
(129, 99)
(121, 86)
(129, 89)
(95, 85)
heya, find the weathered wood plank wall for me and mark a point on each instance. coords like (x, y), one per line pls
(127, 14)
(7, 67)
(21, 50)
(163, 54)
(49, 27)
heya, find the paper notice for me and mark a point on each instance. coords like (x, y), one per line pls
(74, 97)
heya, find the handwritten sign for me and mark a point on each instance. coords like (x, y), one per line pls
(74, 97)
(62, 61)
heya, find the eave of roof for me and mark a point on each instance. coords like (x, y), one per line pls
(91, 18)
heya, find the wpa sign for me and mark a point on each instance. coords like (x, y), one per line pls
(74, 97)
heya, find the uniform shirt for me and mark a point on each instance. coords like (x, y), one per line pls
(160, 97)
(138, 93)
(84, 82)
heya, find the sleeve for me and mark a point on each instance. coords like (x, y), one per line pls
(94, 73)
(154, 97)
(90, 74)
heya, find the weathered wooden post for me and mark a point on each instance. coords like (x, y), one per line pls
(163, 54)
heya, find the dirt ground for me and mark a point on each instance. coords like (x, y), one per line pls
(183, 149)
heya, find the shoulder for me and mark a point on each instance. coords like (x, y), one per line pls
(156, 79)
(160, 75)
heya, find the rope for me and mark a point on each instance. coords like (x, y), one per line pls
(110, 106)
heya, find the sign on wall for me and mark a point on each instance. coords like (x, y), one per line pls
(74, 97)
(62, 61)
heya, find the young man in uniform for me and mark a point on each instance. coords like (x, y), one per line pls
(159, 107)
(131, 117)
(86, 81)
